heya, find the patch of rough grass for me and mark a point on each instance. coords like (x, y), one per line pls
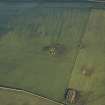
(93, 55)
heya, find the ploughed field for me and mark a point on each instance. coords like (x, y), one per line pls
(75, 35)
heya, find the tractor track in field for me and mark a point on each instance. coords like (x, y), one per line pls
(81, 38)
(28, 92)
(60, 28)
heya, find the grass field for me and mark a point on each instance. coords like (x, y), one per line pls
(24, 65)
(13, 97)
(91, 56)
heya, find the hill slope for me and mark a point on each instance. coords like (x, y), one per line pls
(25, 65)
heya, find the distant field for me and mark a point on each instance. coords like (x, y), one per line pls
(24, 65)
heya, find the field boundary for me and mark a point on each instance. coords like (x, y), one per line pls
(30, 93)
(81, 38)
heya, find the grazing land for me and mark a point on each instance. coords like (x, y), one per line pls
(13, 97)
(91, 58)
(25, 65)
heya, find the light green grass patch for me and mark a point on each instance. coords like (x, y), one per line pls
(91, 56)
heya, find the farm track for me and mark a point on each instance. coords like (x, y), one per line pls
(24, 91)
(60, 29)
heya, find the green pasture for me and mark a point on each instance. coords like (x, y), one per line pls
(23, 63)
(13, 97)
(91, 57)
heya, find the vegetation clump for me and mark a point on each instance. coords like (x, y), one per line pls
(87, 70)
(71, 96)
(55, 49)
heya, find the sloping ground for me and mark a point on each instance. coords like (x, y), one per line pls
(13, 97)
(91, 58)
(23, 63)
